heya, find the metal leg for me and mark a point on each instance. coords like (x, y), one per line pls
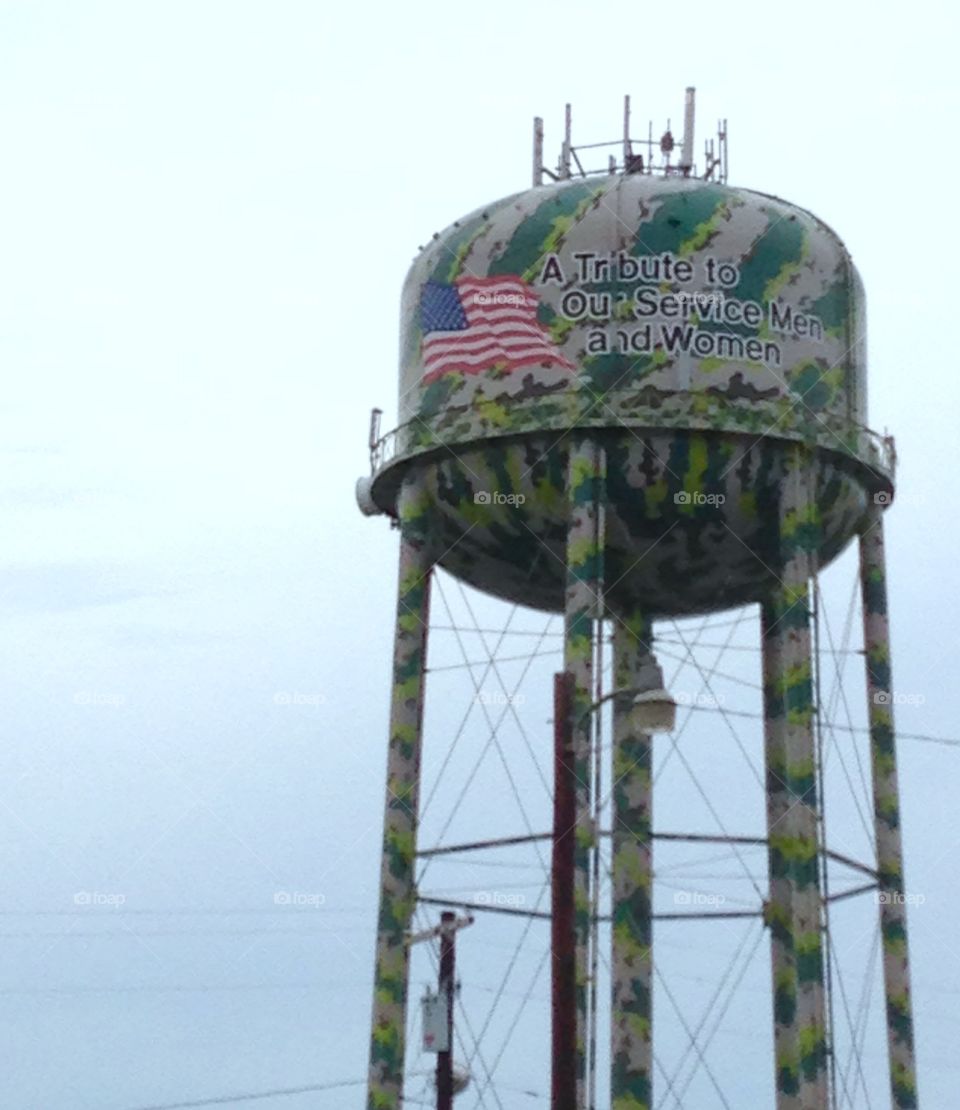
(632, 958)
(790, 640)
(584, 606)
(886, 809)
(778, 911)
(397, 880)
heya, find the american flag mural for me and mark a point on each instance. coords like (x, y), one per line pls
(479, 322)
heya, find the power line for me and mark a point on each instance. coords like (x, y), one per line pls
(950, 741)
(251, 1096)
(122, 911)
(113, 934)
(156, 988)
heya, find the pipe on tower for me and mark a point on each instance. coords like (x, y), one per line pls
(689, 109)
(798, 845)
(631, 1049)
(397, 878)
(583, 606)
(886, 810)
(537, 152)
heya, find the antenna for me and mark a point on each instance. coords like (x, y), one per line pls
(689, 109)
(656, 159)
(627, 151)
(567, 146)
(374, 437)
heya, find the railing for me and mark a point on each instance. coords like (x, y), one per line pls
(871, 446)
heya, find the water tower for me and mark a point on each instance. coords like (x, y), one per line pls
(628, 393)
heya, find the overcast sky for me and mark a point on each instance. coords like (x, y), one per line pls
(206, 213)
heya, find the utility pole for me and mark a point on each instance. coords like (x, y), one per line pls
(446, 988)
(563, 1085)
(438, 1008)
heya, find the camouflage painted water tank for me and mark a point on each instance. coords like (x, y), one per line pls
(694, 330)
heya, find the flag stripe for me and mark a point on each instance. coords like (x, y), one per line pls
(446, 341)
(486, 353)
(501, 326)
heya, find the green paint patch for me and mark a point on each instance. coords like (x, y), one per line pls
(705, 231)
(787, 272)
(543, 231)
(680, 218)
(833, 307)
(437, 393)
(780, 245)
(604, 373)
(816, 386)
(709, 365)
(457, 243)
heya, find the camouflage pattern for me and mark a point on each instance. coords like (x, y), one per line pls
(691, 518)
(783, 257)
(397, 879)
(673, 423)
(584, 560)
(631, 964)
(779, 253)
(794, 846)
(886, 808)
(778, 910)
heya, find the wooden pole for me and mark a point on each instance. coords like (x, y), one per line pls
(563, 929)
(448, 936)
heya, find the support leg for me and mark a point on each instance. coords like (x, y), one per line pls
(397, 880)
(778, 910)
(584, 606)
(886, 809)
(631, 1049)
(790, 640)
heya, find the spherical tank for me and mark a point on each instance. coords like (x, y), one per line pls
(697, 332)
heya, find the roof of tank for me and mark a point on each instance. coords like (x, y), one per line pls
(650, 184)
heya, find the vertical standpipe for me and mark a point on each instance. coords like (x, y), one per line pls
(778, 911)
(565, 155)
(586, 482)
(886, 810)
(537, 151)
(631, 1049)
(397, 876)
(689, 111)
(627, 151)
(797, 846)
